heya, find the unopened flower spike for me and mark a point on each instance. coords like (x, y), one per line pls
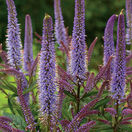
(13, 36)
(78, 53)
(60, 31)
(129, 22)
(28, 50)
(47, 97)
(119, 74)
(109, 48)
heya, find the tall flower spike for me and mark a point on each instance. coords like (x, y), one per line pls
(26, 110)
(60, 31)
(78, 53)
(118, 77)
(109, 42)
(47, 96)
(129, 21)
(13, 40)
(28, 50)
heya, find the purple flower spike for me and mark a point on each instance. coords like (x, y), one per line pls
(109, 43)
(5, 127)
(28, 50)
(127, 111)
(5, 119)
(60, 31)
(26, 110)
(78, 53)
(118, 77)
(47, 96)
(85, 111)
(13, 40)
(129, 22)
(112, 111)
(86, 126)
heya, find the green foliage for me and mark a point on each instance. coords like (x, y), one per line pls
(18, 121)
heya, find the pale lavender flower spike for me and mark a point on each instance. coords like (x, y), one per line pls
(118, 77)
(129, 22)
(13, 40)
(60, 31)
(78, 53)
(109, 48)
(47, 96)
(28, 50)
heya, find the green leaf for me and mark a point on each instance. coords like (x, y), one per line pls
(18, 121)
(89, 94)
(8, 86)
(102, 103)
(13, 95)
(30, 88)
(10, 106)
(69, 94)
(101, 128)
(126, 127)
(65, 106)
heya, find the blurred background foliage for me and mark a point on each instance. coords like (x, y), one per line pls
(97, 14)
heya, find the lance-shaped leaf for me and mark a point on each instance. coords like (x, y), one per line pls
(13, 36)
(60, 31)
(86, 127)
(28, 49)
(118, 76)
(109, 44)
(129, 21)
(47, 73)
(19, 76)
(78, 52)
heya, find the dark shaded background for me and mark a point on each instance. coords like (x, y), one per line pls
(97, 14)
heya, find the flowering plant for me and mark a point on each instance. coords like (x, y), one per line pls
(46, 97)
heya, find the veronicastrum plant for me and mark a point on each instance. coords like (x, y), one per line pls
(45, 96)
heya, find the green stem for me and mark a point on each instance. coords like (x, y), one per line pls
(116, 117)
(78, 97)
